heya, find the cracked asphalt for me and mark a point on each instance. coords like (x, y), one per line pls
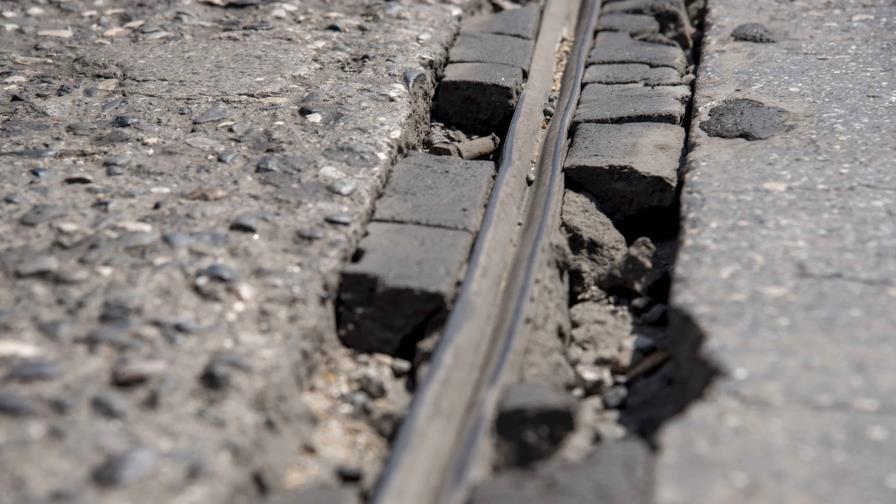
(181, 182)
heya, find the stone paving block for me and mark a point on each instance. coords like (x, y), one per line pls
(616, 472)
(522, 22)
(491, 48)
(633, 24)
(317, 495)
(436, 191)
(406, 275)
(619, 47)
(628, 168)
(651, 7)
(671, 15)
(478, 97)
(632, 73)
(632, 103)
(532, 421)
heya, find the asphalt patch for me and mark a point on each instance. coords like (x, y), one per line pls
(747, 119)
(754, 32)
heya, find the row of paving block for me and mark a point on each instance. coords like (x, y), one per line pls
(626, 150)
(628, 134)
(487, 69)
(407, 269)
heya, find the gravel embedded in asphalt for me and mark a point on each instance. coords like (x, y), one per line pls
(181, 184)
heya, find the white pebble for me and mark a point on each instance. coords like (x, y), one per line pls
(13, 348)
(55, 33)
(116, 32)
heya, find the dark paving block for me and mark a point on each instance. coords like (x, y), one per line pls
(436, 191)
(491, 48)
(616, 472)
(671, 15)
(632, 103)
(680, 94)
(522, 22)
(406, 276)
(619, 47)
(532, 421)
(634, 24)
(478, 97)
(628, 168)
(317, 495)
(632, 73)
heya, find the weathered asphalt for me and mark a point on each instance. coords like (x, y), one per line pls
(181, 183)
(787, 262)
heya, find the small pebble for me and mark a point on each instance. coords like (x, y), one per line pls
(132, 373)
(117, 160)
(349, 474)
(311, 233)
(109, 405)
(218, 112)
(113, 137)
(56, 330)
(220, 273)
(43, 213)
(343, 187)
(244, 224)
(123, 121)
(63, 405)
(78, 180)
(218, 372)
(614, 397)
(120, 305)
(15, 405)
(640, 304)
(372, 386)
(55, 33)
(342, 219)
(41, 265)
(268, 164)
(401, 367)
(33, 370)
(126, 467)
